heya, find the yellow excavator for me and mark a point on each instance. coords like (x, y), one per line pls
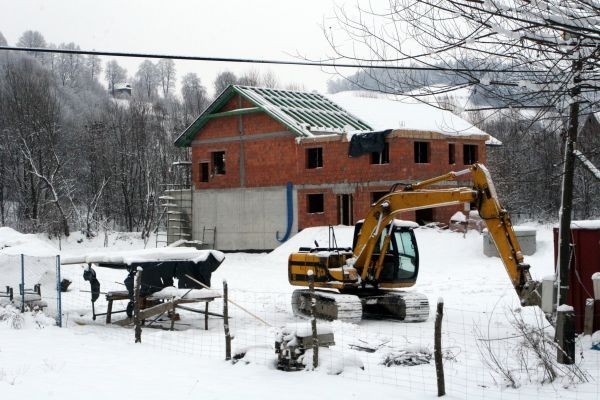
(385, 256)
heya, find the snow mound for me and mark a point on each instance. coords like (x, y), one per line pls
(15, 243)
(331, 361)
(320, 234)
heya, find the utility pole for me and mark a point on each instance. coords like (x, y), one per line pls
(565, 330)
(566, 207)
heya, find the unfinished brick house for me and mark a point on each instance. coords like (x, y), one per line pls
(267, 163)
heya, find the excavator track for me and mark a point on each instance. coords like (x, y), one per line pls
(404, 306)
(329, 305)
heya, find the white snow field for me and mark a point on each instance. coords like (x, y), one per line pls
(88, 359)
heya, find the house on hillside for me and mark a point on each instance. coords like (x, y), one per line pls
(267, 163)
(122, 90)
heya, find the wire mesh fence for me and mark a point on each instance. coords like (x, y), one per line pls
(501, 353)
(31, 283)
(486, 354)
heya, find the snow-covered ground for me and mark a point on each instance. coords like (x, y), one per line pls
(88, 358)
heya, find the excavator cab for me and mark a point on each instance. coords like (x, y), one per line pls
(401, 260)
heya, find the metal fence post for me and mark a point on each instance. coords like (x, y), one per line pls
(313, 321)
(22, 288)
(58, 294)
(137, 298)
(226, 321)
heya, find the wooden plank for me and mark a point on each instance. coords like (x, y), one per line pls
(117, 295)
(124, 322)
(214, 314)
(155, 310)
(238, 111)
(109, 310)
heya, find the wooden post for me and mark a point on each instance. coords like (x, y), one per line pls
(136, 306)
(226, 321)
(439, 364)
(565, 335)
(313, 321)
(588, 322)
(173, 316)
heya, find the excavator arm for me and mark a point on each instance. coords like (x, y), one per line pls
(417, 196)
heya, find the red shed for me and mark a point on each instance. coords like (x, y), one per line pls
(585, 237)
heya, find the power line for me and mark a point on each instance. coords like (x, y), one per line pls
(253, 60)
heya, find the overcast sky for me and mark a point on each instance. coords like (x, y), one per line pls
(267, 29)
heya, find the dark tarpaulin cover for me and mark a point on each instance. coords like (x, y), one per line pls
(370, 142)
(157, 275)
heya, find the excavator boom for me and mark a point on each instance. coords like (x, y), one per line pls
(417, 196)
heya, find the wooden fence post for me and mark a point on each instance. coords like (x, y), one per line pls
(588, 319)
(439, 364)
(313, 322)
(136, 305)
(226, 321)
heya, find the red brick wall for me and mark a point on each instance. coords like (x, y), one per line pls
(361, 200)
(277, 160)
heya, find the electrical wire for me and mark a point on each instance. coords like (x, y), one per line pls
(254, 60)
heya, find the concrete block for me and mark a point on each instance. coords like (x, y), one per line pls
(525, 235)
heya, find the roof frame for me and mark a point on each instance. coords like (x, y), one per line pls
(303, 113)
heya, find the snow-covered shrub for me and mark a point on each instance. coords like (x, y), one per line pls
(11, 316)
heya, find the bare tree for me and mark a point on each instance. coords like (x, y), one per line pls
(148, 77)
(166, 70)
(194, 95)
(250, 78)
(3, 41)
(32, 39)
(223, 80)
(34, 140)
(541, 55)
(69, 67)
(255, 77)
(114, 74)
(94, 66)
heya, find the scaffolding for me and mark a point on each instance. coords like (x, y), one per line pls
(175, 218)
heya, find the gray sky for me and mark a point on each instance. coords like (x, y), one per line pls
(228, 28)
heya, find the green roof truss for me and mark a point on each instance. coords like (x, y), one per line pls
(305, 114)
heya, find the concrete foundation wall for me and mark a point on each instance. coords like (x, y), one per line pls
(245, 218)
(526, 237)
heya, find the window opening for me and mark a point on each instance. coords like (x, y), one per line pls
(382, 157)
(421, 152)
(315, 203)
(314, 158)
(218, 159)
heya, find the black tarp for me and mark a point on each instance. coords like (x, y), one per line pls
(370, 142)
(157, 275)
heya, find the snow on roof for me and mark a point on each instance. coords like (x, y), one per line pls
(14, 243)
(405, 113)
(122, 86)
(144, 255)
(589, 224)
